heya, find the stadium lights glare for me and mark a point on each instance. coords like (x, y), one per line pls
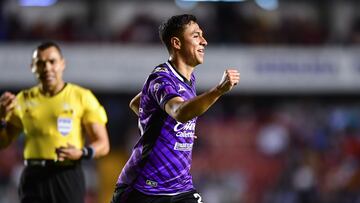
(264, 4)
(186, 5)
(42, 3)
(191, 4)
(268, 4)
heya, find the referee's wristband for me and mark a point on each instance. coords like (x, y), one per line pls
(88, 153)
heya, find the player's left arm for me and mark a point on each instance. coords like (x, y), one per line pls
(184, 111)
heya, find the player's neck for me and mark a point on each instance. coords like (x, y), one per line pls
(183, 68)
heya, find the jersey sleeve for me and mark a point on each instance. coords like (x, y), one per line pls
(94, 112)
(163, 89)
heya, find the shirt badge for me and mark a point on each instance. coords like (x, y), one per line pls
(64, 125)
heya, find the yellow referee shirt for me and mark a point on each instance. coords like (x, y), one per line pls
(51, 122)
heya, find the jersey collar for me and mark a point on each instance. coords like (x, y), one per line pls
(177, 74)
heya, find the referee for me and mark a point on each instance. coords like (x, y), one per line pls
(54, 117)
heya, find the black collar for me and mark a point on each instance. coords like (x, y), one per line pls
(183, 77)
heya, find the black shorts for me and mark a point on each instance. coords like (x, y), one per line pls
(126, 194)
(55, 184)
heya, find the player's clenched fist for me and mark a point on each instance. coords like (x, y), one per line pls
(7, 103)
(230, 78)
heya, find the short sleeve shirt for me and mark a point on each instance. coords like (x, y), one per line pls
(51, 122)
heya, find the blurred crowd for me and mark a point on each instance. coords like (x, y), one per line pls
(253, 149)
(303, 23)
(277, 150)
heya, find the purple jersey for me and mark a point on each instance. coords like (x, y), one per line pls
(161, 159)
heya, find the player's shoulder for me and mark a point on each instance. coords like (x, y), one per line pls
(161, 72)
(161, 69)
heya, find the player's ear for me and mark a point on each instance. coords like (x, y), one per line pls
(175, 43)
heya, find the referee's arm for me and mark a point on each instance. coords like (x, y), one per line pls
(98, 138)
(8, 131)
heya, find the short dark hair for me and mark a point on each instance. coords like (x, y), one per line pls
(174, 27)
(45, 45)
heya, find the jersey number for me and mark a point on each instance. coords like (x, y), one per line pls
(198, 197)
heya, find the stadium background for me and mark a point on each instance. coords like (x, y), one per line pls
(288, 133)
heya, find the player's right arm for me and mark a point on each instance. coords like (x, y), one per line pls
(135, 103)
(184, 111)
(7, 131)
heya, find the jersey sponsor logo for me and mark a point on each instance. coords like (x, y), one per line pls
(181, 88)
(185, 129)
(64, 125)
(183, 146)
(190, 125)
(185, 134)
(151, 183)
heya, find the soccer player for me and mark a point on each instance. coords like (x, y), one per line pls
(158, 170)
(53, 116)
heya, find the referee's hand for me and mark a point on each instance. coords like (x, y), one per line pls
(7, 104)
(69, 152)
